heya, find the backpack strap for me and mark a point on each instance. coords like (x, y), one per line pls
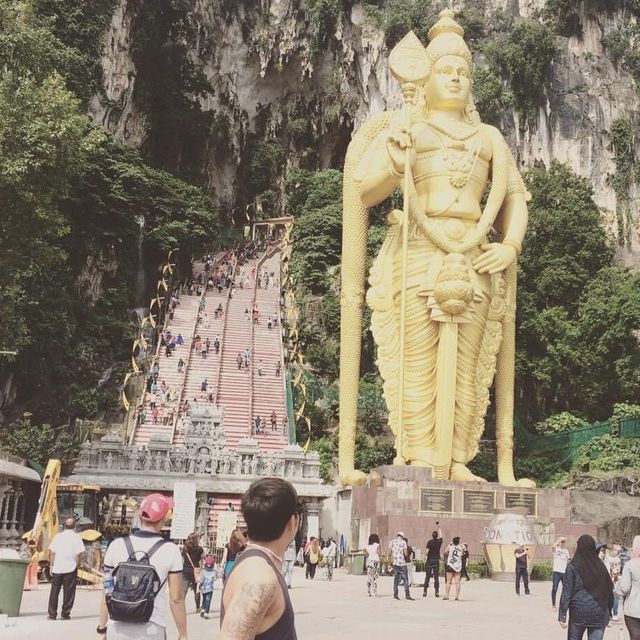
(131, 554)
(155, 547)
(129, 546)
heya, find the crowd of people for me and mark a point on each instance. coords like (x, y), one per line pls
(258, 426)
(595, 580)
(162, 405)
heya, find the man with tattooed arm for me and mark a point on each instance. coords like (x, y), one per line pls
(255, 600)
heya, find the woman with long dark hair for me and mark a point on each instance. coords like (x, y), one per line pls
(628, 588)
(587, 593)
(312, 557)
(191, 558)
(236, 545)
(372, 555)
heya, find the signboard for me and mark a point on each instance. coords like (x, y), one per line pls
(436, 500)
(227, 522)
(184, 509)
(476, 501)
(526, 501)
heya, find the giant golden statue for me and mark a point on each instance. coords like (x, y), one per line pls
(442, 294)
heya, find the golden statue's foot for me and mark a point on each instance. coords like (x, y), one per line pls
(462, 473)
(512, 482)
(353, 478)
(399, 461)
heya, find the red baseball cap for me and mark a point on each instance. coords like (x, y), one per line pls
(155, 507)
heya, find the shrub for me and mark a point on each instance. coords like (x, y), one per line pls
(561, 422)
(542, 571)
(479, 568)
(625, 410)
(608, 453)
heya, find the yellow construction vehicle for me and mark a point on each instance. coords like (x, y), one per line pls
(60, 500)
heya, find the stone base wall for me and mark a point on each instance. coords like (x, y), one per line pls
(407, 499)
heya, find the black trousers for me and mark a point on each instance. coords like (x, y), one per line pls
(66, 581)
(432, 568)
(524, 574)
(189, 582)
(633, 627)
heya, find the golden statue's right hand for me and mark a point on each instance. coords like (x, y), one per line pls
(398, 141)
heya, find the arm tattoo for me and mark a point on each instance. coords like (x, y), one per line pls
(247, 610)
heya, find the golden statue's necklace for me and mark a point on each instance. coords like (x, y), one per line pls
(459, 160)
(454, 136)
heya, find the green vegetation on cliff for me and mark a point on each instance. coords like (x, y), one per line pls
(78, 211)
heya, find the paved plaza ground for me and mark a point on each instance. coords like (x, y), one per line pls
(341, 609)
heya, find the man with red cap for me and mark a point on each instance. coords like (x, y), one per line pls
(167, 561)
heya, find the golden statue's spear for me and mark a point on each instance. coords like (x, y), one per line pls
(409, 64)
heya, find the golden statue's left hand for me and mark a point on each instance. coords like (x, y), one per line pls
(496, 257)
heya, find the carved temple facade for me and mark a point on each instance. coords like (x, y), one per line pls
(203, 459)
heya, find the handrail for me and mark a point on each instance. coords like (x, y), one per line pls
(155, 358)
(191, 352)
(224, 330)
(283, 367)
(187, 365)
(259, 264)
(286, 382)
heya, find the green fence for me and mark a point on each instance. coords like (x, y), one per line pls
(568, 444)
(630, 428)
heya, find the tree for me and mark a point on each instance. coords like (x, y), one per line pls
(71, 201)
(576, 348)
(37, 442)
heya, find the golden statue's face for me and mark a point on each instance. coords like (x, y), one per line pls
(449, 84)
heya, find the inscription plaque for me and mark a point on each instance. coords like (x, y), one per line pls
(483, 502)
(526, 501)
(436, 500)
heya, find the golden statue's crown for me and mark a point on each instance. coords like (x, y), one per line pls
(445, 24)
(446, 39)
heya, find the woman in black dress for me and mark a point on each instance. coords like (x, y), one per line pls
(191, 559)
(587, 593)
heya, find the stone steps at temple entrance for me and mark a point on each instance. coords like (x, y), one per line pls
(268, 390)
(199, 367)
(182, 323)
(234, 388)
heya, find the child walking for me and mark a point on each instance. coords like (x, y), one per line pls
(206, 583)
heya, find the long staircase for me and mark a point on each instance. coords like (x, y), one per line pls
(182, 324)
(268, 388)
(234, 389)
(205, 365)
(242, 393)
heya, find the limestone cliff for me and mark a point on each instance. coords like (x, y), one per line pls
(271, 71)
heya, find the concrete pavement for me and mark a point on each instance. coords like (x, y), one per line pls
(341, 609)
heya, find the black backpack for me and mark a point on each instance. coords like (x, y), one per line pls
(137, 584)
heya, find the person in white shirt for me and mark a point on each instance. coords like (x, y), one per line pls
(330, 557)
(64, 552)
(453, 567)
(289, 561)
(168, 563)
(560, 559)
(372, 554)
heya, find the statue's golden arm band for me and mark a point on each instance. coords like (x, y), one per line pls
(352, 298)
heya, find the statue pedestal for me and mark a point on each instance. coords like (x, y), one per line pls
(407, 499)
